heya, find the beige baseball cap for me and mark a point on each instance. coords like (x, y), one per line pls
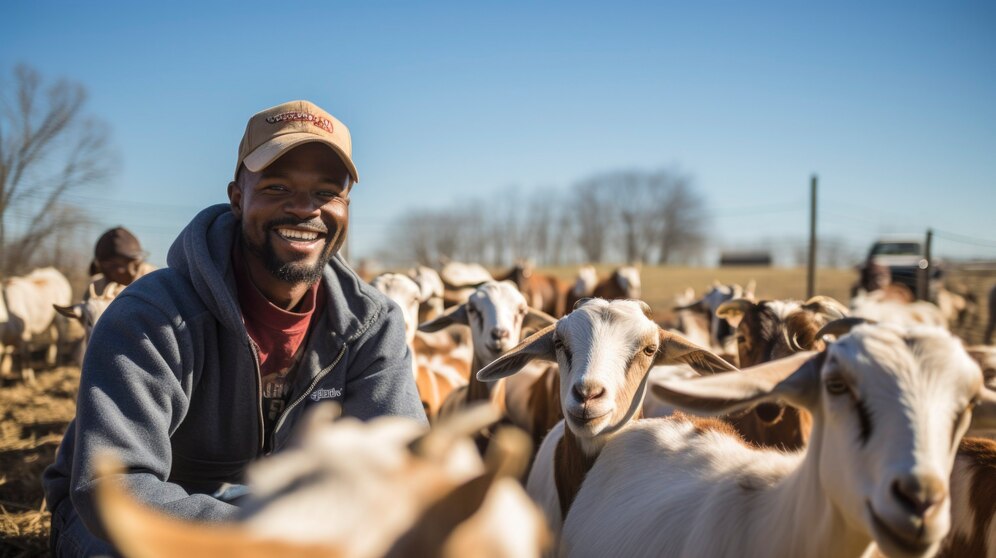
(277, 130)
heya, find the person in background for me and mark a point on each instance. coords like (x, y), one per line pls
(117, 258)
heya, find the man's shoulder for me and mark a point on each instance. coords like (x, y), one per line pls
(167, 290)
(357, 306)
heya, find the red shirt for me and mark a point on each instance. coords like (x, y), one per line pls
(278, 335)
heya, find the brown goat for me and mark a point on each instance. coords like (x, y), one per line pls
(542, 292)
(766, 331)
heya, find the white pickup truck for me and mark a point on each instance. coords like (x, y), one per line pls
(903, 255)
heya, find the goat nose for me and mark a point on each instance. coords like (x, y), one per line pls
(919, 494)
(499, 333)
(585, 393)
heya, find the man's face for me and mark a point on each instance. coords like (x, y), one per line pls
(295, 212)
(120, 269)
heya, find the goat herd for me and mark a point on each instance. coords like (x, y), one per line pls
(566, 421)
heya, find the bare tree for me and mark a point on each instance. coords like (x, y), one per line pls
(593, 217)
(48, 148)
(681, 211)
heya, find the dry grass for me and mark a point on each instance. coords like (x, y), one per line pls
(662, 284)
(31, 426)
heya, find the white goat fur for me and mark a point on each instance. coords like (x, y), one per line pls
(354, 487)
(584, 283)
(89, 311)
(872, 306)
(613, 347)
(26, 311)
(404, 292)
(664, 488)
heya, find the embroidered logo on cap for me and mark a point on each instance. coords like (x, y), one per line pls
(297, 116)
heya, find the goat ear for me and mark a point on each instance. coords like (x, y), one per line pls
(984, 414)
(455, 315)
(750, 289)
(675, 349)
(733, 310)
(73, 311)
(795, 379)
(537, 319)
(537, 346)
(698, 306)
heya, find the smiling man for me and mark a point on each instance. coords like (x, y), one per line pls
(199, 368)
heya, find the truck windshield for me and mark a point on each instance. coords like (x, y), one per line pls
(896, 249)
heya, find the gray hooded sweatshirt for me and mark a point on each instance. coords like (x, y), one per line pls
(171, 383)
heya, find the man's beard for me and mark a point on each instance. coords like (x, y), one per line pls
(293, 272)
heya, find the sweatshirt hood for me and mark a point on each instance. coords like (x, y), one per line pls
(203, 253)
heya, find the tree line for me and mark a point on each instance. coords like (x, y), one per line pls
(650, 217)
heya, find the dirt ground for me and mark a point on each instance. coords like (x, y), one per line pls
(33, 418)
(32, 421)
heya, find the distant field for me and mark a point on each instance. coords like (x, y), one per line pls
(662, 283)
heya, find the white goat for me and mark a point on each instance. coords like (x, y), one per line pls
(583, 287)
(889, 407)
(432, 290)
(439, 365)
(89, 311)
(349, 489)
(26, 312)
(605, 351)
(874, 307)
(497, 313)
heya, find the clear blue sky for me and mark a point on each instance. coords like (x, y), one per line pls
(892, 104)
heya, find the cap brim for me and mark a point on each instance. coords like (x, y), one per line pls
(264, 155)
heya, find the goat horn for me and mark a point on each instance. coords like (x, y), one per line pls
(841, 327)
(829, 306)
(581, 302)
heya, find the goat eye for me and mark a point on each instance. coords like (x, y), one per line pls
(836, 386)
(650, 350)
(558, 344)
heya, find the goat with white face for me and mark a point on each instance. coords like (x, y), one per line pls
(889, 407)
(605, 351)
(437, 365)
(583, 287)
(89, 311)
(431, 286)
(497, 313)
(406, 293)
(719, 330)
(623, 283)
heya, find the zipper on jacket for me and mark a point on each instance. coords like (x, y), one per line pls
(259, 396)
(321, 374)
